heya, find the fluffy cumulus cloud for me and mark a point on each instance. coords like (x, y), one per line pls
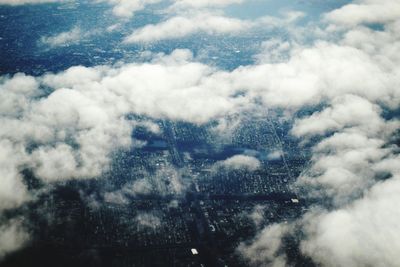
(205, 3)
(182, 26)
(192, 21)
(365, 11)
(353, 167)
(343, 162)
(127, 8)
(240, 162)
(71, 131)
(316, 74)
(362, 234)
(345, 112)
(76, 125)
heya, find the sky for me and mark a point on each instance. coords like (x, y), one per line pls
(339, 56)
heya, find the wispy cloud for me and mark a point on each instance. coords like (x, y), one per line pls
(65, 38)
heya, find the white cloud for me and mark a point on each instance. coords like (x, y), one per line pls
(206, 3)
(88, 105)
(165, 181)
(127, 8)
(265, 248)
(13, 236)
(347, 111)
(148, 220)
(355, 79)
(342, 162)
(182, 26)
(257, 215)
(190, 22)
(275, 155)
(315, 74)
(362, 234)
(367, 11)
(65, 38)
(121, 8)
(276, 50)
(83, 120)
(138, 187)
(240, 162)
(117, 198)
(12, 189)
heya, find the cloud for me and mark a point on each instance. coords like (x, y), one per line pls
(362, 234)
(342, 162)
(65, 38)
(240, 162)
(276, 50)
(257, 215)
(75, 128)
(121, 8)
(346, 111)
(206, 3)
(127, 8)
(316, 74)
(179, 6)
(264, 250)
(12, 189)
(165, 181)
(148, 220)
(182, 26)
(83, 119)
(352, 177)
(13, 236)
(275, 155)
(71, 130)
(138, 187)
(371, 11)
(190, 22)
(115, 198)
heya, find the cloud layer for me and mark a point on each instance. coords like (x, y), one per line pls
(353, 167)
(66, 125)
